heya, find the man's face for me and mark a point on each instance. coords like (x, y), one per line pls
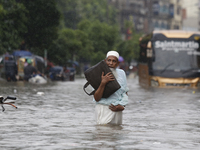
(112, 61)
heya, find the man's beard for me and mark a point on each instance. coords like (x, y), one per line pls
(114, 72)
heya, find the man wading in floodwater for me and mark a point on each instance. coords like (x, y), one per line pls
(109, 110)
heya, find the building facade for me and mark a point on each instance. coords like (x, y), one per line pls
(191, 18)
(149, 15)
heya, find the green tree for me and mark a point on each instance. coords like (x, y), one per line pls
(103, 37)
(43, 20)
(129, 49)
(12, 26)
(71, 45)
(74, 11)
(96, 29)
(69, 13)
(97, 10)
(90, 42)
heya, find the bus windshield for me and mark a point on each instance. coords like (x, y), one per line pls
(175, 54)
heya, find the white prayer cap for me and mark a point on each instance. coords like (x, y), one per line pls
(113, 53)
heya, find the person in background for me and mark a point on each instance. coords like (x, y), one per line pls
(29, 70)
(10, 69)
(25, 63)
(109, 110)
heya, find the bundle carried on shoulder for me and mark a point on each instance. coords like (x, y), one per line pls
(93, 77)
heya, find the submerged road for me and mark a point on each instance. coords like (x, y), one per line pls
(59, 115)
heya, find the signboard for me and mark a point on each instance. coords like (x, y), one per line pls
(177, 45)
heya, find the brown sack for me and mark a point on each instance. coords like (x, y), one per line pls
(93, 76)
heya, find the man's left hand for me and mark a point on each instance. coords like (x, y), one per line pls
(116, 108)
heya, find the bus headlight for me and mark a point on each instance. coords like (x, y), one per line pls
(154, 83)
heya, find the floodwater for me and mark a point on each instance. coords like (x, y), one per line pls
(59, 115)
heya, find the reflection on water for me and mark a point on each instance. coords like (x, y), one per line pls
(59, 115)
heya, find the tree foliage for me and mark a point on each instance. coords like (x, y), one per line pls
(74, 11)
(81, 30)
(97, 10)
(69, 14)
(42, 24)
(34, 22)
(12, 26)
(102, 36)
(71, 45)
(129, 49)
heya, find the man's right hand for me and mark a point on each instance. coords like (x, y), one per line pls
(108, 77)
(104, 80)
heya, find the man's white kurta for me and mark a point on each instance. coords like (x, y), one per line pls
(102, 112)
